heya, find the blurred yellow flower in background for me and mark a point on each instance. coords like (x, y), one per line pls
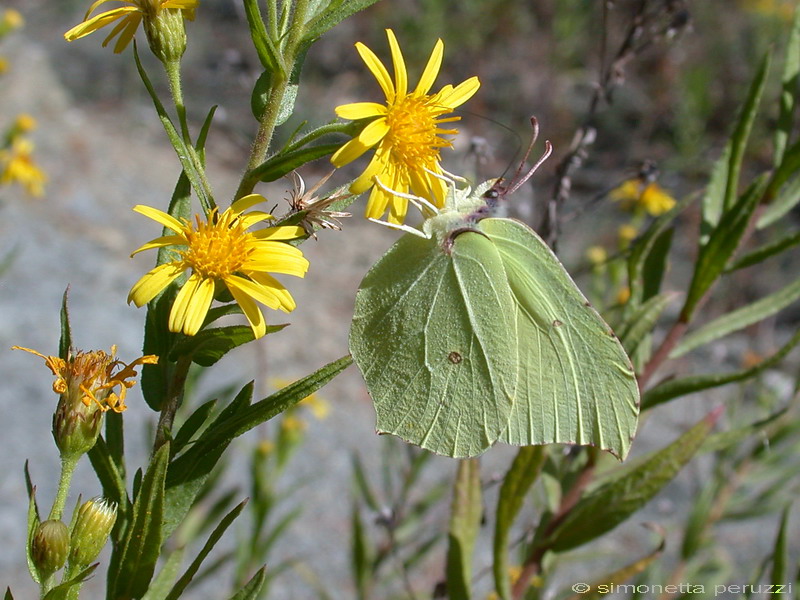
(221, 250)
(638, 195)
(17, 166)
(129, 17)
(405, 132)
(783, 9)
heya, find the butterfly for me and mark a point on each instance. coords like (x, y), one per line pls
(470, 331)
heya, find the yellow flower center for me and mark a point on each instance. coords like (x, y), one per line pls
(413, 130)
(218, 248)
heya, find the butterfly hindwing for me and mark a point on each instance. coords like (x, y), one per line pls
(576, 384)
(433, 334)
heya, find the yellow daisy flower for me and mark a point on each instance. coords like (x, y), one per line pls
(635, 194)
(406, 133)
(17, 166)
(221, 250)
(129, 17)
(12, 19)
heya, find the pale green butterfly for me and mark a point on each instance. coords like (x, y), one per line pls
(471, 331)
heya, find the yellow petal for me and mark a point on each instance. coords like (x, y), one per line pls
(374, 132)
(348, 153)
(284, 232)
(275, 286)
(153, 282)
(161, 242)
(431, 69)
(360, 110)
(376, 205)
(400, 74)
(95, 23)
(378, 70)
(365, 180)
(265, 295)
(198, 306)
(245, 202)
(461, 93)
(166, 220)
(251, 311)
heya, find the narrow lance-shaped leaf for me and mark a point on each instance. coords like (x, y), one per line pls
(739, 319)
(268, 54)
(33, 523)
(520, 477)
(786, 200)
(62, 591)
(465, 520)
(65, 342)
(252, 588)
(721, 199)
(142, 546)
(601, 587)
(609, 505)
(768, 250)
(675, 388)
(215, 536)
(641, 322)
(162, 583)
(780, 553)
(334, 13)
(362, 555)
(721, 245)
(789, 86)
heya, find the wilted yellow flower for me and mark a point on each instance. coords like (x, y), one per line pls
(406, 133)
(220, 250)
(637, 195)
(88, 384)
(129, 17)
(17, 166)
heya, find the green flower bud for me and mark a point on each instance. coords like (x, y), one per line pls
(166, 34)
(50, 547)
(76, 426)
(92, 527)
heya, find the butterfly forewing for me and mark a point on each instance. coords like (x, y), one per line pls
(576, 384)
(433, 336)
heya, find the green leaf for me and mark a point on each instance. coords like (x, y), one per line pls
(335, 12)
(189, 472)
(62, 591)
(722, 243)
(252, 588)
(767, 250)
(215, 536)
(8, 595)
(279, 165)
(520, 477)
(33, 523)
(362, 483)
(362, 554)
(108, 473)
(210, 345)
(790, 80)
(715, 204)
(646, 245)
(723, 440)
(465, 521)
(739, 319)
(642, 321)
(268, 54)
(65, 342)
(203, 136)
(780, 554)
(785, 201)
(192, 425)
(601, 587)
(675, 388)
(655, 264)
(142, 545)
(162, 583)
(602, 509)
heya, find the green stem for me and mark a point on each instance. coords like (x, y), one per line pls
(68, 464)
(280, 83)
(173, 70)
(172, 403)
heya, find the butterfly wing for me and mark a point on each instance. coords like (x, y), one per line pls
(433, 337)
(576, 384)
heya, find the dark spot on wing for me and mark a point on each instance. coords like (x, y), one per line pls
(557, 323)
(454, 357)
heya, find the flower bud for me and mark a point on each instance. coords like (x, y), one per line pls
(166, 34)
(92, 527)
(50, 547)
(76, 426)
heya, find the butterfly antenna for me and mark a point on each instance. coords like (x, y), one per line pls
(399, 227)
(518, 181)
